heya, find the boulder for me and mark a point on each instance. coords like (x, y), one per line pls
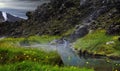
(110, 42)
(114, 29)
(80, 31)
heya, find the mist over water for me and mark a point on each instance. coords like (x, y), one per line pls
(20, 7)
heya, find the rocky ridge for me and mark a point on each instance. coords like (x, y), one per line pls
(59, 16)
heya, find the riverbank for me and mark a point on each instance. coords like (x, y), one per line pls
(98, 43)
(14, 57)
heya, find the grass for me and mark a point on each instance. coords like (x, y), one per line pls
(33, 66)
(17, 58)
(96, 42)
(43, 39)
(39, 39)
(11, 54)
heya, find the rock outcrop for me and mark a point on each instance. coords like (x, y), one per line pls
(114, 29)
(59, 16)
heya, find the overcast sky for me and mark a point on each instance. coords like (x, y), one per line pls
(19, 4)
(19, 7)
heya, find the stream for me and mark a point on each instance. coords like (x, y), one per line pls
(70, 57)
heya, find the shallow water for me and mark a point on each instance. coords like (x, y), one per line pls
(71, 58)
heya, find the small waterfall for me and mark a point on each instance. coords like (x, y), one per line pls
(94, 15)
(4, 15)
(83, 28)
(71, 58)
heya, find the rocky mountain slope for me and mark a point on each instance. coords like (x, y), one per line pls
(8, 17)
(60, 16)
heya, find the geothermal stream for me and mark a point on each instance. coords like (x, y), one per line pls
(68, 55)
(71, 58)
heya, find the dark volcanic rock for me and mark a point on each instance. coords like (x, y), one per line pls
(114, 29)
(1, 17)
(119, 38)
(59, 16)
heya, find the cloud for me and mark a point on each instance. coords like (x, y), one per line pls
(26, 4)
(19, 7)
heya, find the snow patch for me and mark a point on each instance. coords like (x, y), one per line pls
(4, 15)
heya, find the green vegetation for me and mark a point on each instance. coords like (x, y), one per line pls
(34, 66)
(17, 58)
(38, 39)
(9, 54)
(98, 42)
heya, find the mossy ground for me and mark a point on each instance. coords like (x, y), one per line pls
(17, 58)
(98, 42)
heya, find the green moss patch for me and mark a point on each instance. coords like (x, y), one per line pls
(98, 42)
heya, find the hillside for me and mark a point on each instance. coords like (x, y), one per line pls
(89, 28)
(59, 16)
